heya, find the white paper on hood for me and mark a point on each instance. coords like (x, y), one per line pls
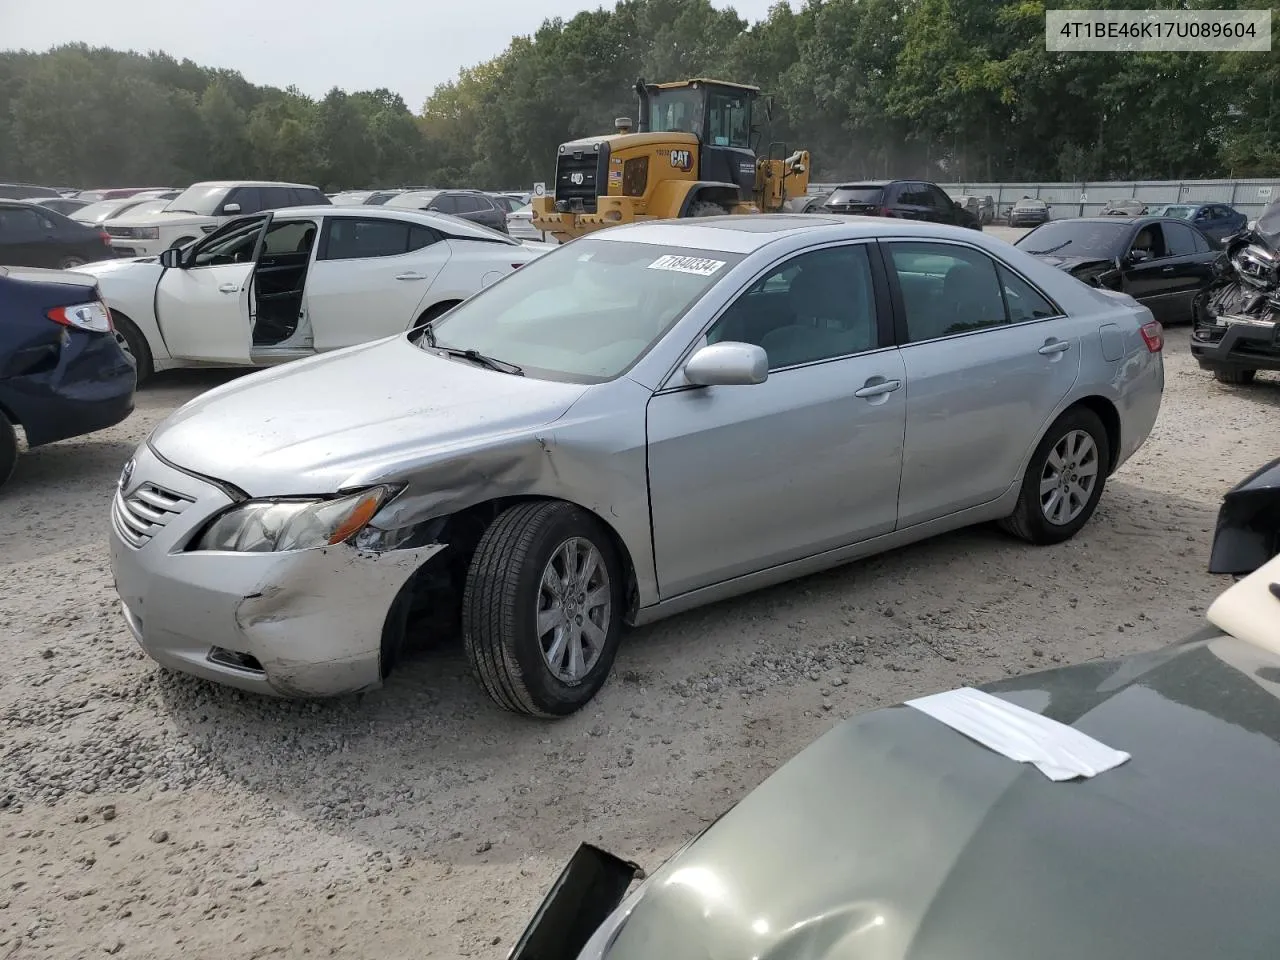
(1060, 752)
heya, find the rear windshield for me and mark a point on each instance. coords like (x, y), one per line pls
(855, 195)
(584, 312)
(1029, 205)
(1076, 238)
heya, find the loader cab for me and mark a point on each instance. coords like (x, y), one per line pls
(719, 114)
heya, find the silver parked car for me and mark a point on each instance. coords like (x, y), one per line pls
(640, 422)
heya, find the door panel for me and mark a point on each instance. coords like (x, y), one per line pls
(359, 289)
(204, 312)
(980, 388)
(744, 478)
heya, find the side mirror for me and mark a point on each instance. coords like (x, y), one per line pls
(230, 208)
(171, 258)
(1138, 256)
(727, 364)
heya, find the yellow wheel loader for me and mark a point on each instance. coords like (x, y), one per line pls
(689, 155)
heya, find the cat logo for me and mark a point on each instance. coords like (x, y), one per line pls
(576, 179)
(683, 159)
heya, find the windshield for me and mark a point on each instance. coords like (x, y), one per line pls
(1180, 211)
(585, 312)
(146, 208)
(1076, 238)
(102, 210)
(675, 111)
(202, 199)
(730, 119)
(843, 195)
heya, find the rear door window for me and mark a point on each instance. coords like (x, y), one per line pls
(946, 289)
(1180, 239)
(21, 223)
(350, 238)
(275, 198)
(446, 203)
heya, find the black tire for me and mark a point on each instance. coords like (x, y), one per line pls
(1028, 520)
(705, 208)
(70, 263)
(501, 600)
(1234, 376)
(8, 449)
(136, 344)
(431, 313)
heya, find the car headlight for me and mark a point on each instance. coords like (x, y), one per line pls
(274, 526)
(147, 233)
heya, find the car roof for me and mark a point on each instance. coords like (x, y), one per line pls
(452, 226)
(252, 183)
(748, 233)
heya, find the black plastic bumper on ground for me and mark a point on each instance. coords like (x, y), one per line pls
(1244, 346)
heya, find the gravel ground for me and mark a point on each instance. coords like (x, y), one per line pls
(144, 814)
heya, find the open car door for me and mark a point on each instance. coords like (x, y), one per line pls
(202, 305)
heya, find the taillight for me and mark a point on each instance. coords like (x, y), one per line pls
(83, 316)
(886, 212)
(104, 237)
(1153, 336)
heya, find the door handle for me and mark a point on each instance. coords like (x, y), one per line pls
(878, 389)
(228, 288)
(1055, 346)
(410, 276)
(1167, 270)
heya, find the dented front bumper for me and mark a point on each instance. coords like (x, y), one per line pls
(306, 623)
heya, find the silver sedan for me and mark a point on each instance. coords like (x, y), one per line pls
(643, 421)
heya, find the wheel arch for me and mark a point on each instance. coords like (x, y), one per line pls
(461, 531)
(711, 191)
(1106, 412)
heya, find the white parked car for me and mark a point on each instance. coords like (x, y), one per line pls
(288, 284)
(100, 212)
(520, 225)
(200, 209)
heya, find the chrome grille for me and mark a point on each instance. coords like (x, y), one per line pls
(147, 510)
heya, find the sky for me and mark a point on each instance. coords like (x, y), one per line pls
(409, 46)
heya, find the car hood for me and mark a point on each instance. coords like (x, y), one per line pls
(893, 837)
(322, 424)
(164, 218)
(1071, 264)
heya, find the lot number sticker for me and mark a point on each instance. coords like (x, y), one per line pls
(694, 265)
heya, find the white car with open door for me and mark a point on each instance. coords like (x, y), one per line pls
(288, 284)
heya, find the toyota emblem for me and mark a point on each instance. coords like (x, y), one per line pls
(126, 475)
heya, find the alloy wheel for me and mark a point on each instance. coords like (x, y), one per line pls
(1069, 475)
(575, 608)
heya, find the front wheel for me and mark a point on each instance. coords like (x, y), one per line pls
(1236, 377)
(705, 208)
(1064, 480)
(8, 449)
(133, 344)
(542, 610)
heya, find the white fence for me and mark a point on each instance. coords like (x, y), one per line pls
(1250, 197)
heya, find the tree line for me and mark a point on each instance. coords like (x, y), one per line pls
(940, 89)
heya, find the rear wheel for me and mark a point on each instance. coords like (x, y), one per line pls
(8, 449)
(1234, 376)
(542, 610)
(705, 208)
(134, 345)
(1064, 480)
(70, 263)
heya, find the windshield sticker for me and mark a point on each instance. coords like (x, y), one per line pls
(696, 265)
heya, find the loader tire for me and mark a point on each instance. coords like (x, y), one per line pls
(705, 208)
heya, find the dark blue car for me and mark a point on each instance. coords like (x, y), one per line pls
(1217, 221)
(62, 373)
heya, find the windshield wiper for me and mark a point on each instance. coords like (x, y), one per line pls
(484, 360)
(1041, 253)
